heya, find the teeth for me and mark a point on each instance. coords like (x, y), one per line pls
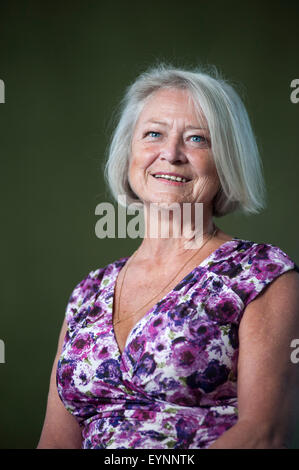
(173, 178)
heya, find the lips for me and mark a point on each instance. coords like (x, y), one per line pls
(171, 174)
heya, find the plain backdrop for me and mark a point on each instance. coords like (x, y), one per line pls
(65, 65)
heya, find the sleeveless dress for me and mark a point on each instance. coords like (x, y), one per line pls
(175, 384)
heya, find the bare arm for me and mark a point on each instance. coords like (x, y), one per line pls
(267, 379)
(60, 429)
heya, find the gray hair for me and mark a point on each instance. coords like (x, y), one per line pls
(233, 144)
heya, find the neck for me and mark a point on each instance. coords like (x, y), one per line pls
(170, 232)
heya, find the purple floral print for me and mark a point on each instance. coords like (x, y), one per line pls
(175, 384)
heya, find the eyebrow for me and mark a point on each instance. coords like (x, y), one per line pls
(164, 124)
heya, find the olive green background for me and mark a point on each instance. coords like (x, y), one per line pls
(65, 66)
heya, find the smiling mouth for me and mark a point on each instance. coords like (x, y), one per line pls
(171, 177)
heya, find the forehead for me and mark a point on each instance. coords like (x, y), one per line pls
(171, 103)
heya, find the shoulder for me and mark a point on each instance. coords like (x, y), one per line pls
(247, 267)
(88, 287)
(83, 291)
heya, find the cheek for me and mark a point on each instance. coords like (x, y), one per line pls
(141, 156)
(137, 168)
(207, 175)
(204, 165)
(211, 173)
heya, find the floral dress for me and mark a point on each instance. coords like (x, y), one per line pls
(175, 384)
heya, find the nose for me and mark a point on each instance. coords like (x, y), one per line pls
(172, 151)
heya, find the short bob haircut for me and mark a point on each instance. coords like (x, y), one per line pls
(233, 144)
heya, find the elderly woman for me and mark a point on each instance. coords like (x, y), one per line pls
(180, 345)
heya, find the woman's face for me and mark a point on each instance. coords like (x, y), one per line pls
(169, 140)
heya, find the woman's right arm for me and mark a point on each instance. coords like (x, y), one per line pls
(60, 430)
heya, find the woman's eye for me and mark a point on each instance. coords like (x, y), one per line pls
(197, 138)
(153, 134)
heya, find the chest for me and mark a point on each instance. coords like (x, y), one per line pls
(135, 297)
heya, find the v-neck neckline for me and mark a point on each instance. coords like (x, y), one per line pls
(121, 262)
